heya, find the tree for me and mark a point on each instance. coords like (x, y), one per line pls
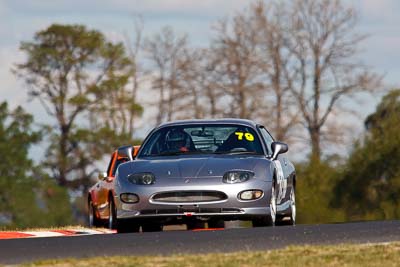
(271, 23)
(172, 62)
(80, 79)
(27, 195)
(315, 193)
(234, 60)
(370, 185)
(290, 64)
(323, 46)
(208, 80)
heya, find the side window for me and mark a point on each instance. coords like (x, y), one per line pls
(117, 163)
(110, 164)
(267, 138)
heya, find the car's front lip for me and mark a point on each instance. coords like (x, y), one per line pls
(240, 207)
(244, 212)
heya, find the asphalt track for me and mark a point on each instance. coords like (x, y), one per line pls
(14, 251)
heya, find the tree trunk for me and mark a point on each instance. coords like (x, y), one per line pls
(278, 127)
(242, 103)
(161, 110)
(62, 179)
(315, 134)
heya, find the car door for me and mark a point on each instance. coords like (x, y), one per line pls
(280, 166)
(103, 188)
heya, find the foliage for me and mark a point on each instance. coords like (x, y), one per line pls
(315, 191)
(370, 184)
(82, 81)
(27, 196)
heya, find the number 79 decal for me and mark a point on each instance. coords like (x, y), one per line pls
(248, 136)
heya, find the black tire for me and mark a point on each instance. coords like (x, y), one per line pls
(289, 219)
(268, 220)
(93, 221)
(112, 218)
(293, 211)
(195, 224)
(127, 226)
(281, 220)
(152, 227)
(216, 223)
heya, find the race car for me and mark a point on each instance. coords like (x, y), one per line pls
(205, 172)
(102, 192)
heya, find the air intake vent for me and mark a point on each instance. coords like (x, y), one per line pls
(189, 196)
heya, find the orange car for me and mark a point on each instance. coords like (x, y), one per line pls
(100, 196)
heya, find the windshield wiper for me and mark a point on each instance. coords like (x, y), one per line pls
(169, 153)
(244, 153)
(176, 153)
(237, 153)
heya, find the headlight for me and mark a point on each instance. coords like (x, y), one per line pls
(145, 178)
(250, 194)
(233, 177)
(129, 198)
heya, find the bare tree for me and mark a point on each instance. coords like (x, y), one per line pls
(274, 59)
(290, 64)
(120, 108)
(248, 58)
(235, 64)
(138, 72)
(192, 85)
(209, 80)
(324, 44)
(171, 60)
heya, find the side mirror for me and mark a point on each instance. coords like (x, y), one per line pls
(278, 148)
(102, 176)
(125, 152)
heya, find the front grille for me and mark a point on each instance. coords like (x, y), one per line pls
(194, 210)
(189, 196)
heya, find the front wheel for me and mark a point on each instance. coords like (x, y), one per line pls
(112, 218)
(293, 211)
(268, 220)
(93, 221)
(289, 219)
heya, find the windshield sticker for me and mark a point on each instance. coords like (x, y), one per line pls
(248, 136)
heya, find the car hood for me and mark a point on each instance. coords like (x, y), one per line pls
(194, 166)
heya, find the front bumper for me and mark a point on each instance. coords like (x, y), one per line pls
(231, 208)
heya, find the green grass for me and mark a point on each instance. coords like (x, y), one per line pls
(340, 255)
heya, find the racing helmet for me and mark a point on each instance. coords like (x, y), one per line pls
(176, 139)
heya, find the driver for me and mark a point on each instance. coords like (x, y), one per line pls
(177, 140)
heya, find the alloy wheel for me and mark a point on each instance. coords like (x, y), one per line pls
(272, 204)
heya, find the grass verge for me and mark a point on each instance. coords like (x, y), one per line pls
(364, 255)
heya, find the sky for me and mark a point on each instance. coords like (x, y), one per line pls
(19, 20)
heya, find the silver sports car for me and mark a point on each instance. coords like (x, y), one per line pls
(195, 172)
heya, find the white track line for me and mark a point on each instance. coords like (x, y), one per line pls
(55, 233)
(43, 233)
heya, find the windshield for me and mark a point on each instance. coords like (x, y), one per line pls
(195, 139)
